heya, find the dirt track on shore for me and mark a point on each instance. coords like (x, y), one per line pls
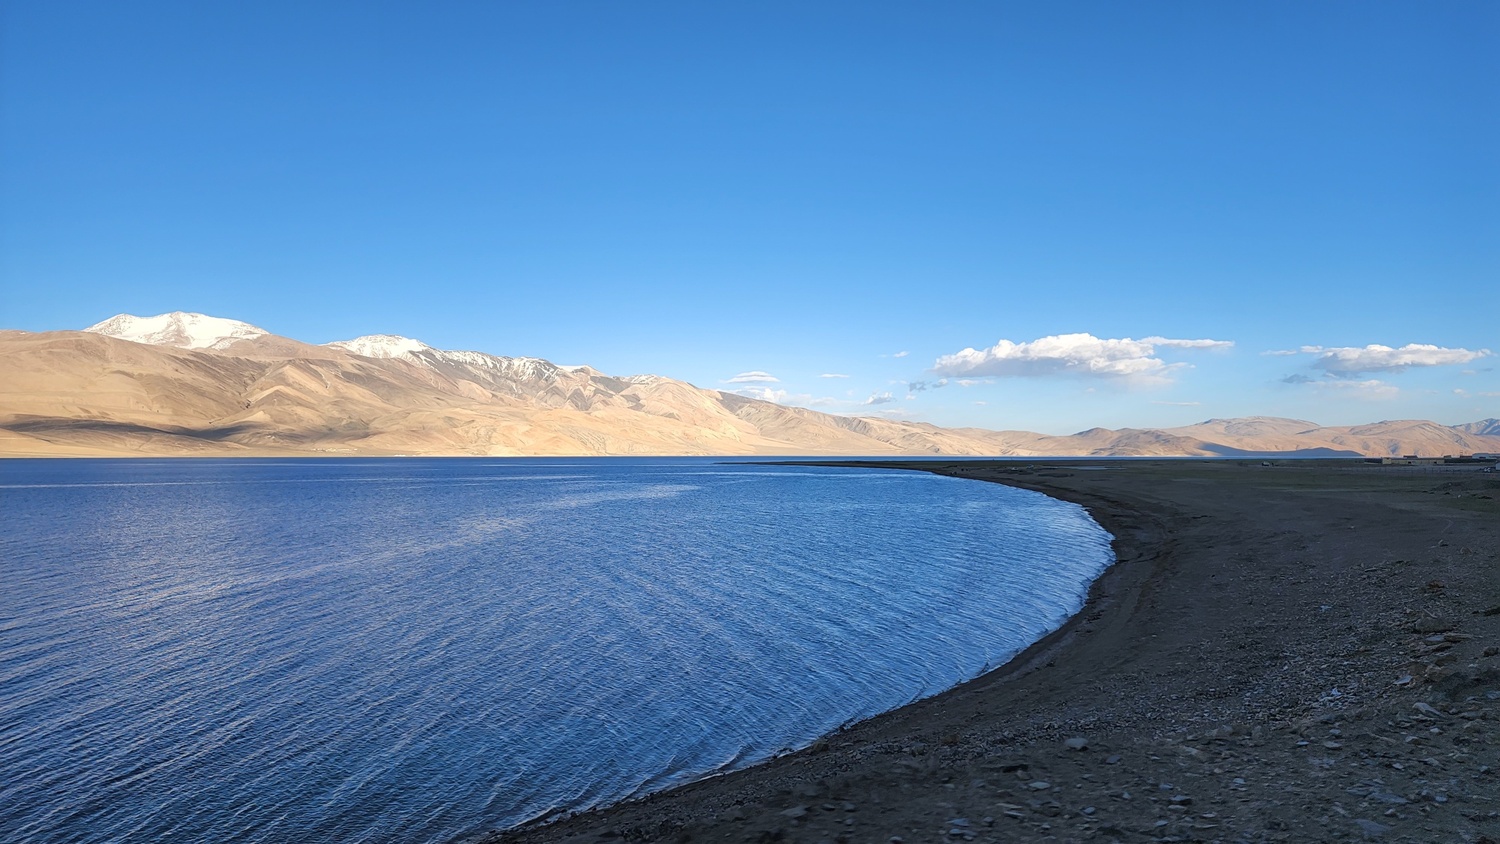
(1301, 652)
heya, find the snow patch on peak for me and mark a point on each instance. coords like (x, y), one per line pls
(526, 369)
(381, 346)
(179, 329)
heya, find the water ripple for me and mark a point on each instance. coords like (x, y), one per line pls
(378, 650)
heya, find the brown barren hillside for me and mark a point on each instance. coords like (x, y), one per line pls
(72, 393)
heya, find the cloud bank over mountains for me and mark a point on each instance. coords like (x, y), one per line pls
(1073, 354)
(1349, 361)
(1342, 366)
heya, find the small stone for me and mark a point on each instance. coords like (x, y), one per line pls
(1426, 709)
(1371, 828)
(1077, 743)
(1039, 785)
(1182, 800)
(794, 813)
(1332, 745)
(1089, 810)
(1112, 760)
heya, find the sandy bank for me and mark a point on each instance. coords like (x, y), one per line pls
(1303, 652)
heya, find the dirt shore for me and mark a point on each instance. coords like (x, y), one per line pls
(1308, 651)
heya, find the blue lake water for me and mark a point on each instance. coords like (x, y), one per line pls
(418, 650)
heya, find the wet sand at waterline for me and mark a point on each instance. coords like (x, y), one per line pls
(1308, 651)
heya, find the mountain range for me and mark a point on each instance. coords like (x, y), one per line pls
(190, 384)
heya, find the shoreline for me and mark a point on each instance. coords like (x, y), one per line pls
(1200, 715)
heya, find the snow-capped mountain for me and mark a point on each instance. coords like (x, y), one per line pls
(388, 346)
(382, 346)
(178, 329)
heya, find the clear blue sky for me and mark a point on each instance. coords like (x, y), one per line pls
(702, 190)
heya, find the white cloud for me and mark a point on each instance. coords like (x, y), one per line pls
(755, 376)
(833, 375)
(1280, 353)
(880, 398)
(1350, 361)
(901, 354)
(771, 394)
(1373, 390)
(1072, 354)
(762, 393)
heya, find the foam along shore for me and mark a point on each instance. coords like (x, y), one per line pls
(1303, 651)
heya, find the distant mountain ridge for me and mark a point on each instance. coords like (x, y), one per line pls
(1484, 427)
(184, 383)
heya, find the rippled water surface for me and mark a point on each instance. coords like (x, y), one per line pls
(416, 650)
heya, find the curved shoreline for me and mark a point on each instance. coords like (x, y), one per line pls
(1170, 673)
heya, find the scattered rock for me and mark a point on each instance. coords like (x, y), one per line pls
(794, 813)
(1077, 743)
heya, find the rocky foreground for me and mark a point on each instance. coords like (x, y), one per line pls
(1300, 652)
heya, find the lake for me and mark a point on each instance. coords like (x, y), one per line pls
(417, 650)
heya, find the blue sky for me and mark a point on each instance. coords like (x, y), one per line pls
(792, 191)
